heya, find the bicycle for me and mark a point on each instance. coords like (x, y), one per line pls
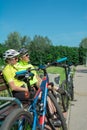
(45, 110)
(66, 92)
(62, 95)
(69, 81)
(68, 86)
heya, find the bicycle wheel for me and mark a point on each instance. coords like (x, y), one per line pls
(57, 96)
(65, 97)
(18, 119)
(71, 88)
(55, 118)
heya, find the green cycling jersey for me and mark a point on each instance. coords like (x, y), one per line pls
(21, 65)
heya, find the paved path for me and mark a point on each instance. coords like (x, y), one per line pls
(78, 108)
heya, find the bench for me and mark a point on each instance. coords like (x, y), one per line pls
(9, 104)
(4, 86)
(7, 101)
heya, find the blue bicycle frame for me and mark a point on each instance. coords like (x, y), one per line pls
(40, 122)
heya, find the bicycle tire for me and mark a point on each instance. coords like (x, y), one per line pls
(58, 97)
(65, 97)
(71, 88)
(55, 115)
(17, 115)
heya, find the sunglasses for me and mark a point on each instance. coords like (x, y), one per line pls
(15, 58)
(26, 55)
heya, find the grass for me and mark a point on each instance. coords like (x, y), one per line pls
(57, 70)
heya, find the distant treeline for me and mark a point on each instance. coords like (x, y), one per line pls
(41, 49)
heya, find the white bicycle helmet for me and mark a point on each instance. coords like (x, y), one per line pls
(10, 54)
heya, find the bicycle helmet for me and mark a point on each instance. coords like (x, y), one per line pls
(10, 54)
(23, 51)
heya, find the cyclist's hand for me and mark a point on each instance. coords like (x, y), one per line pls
(27, 94)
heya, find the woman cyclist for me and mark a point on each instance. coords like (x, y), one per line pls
(19, 88)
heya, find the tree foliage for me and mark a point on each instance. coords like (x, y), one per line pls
(83, 43)
(41, 49)
(83, 51)
(16, 41)
(13, 41)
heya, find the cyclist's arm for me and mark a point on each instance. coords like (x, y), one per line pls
(16, 88)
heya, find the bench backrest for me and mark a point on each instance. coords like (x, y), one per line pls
(3, 84)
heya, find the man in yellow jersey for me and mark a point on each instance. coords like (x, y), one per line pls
(24, 64)
(18, 88)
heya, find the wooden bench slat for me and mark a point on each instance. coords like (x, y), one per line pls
(6, 110)
(2, 80)
(3, 87)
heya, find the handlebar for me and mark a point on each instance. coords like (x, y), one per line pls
(23, 73)
(64, 65)
(59, 62)
(62, 60)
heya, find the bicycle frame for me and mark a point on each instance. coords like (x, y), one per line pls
(32, 108)
(67, 73)
(69, 81)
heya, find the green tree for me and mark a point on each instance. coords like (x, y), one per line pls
(2, 50)
(42, 50)
(39, 49)
(83, 45)
(13, 41)
(25, 41)
(16, 41)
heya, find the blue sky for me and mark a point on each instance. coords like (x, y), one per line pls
(64, 22)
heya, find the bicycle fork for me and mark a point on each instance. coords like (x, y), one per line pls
(43, 103)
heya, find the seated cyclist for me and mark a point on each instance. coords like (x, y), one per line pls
(24, 64)
(19, 88)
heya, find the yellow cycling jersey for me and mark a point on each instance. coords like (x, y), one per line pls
(24, 66)
(9, 75)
